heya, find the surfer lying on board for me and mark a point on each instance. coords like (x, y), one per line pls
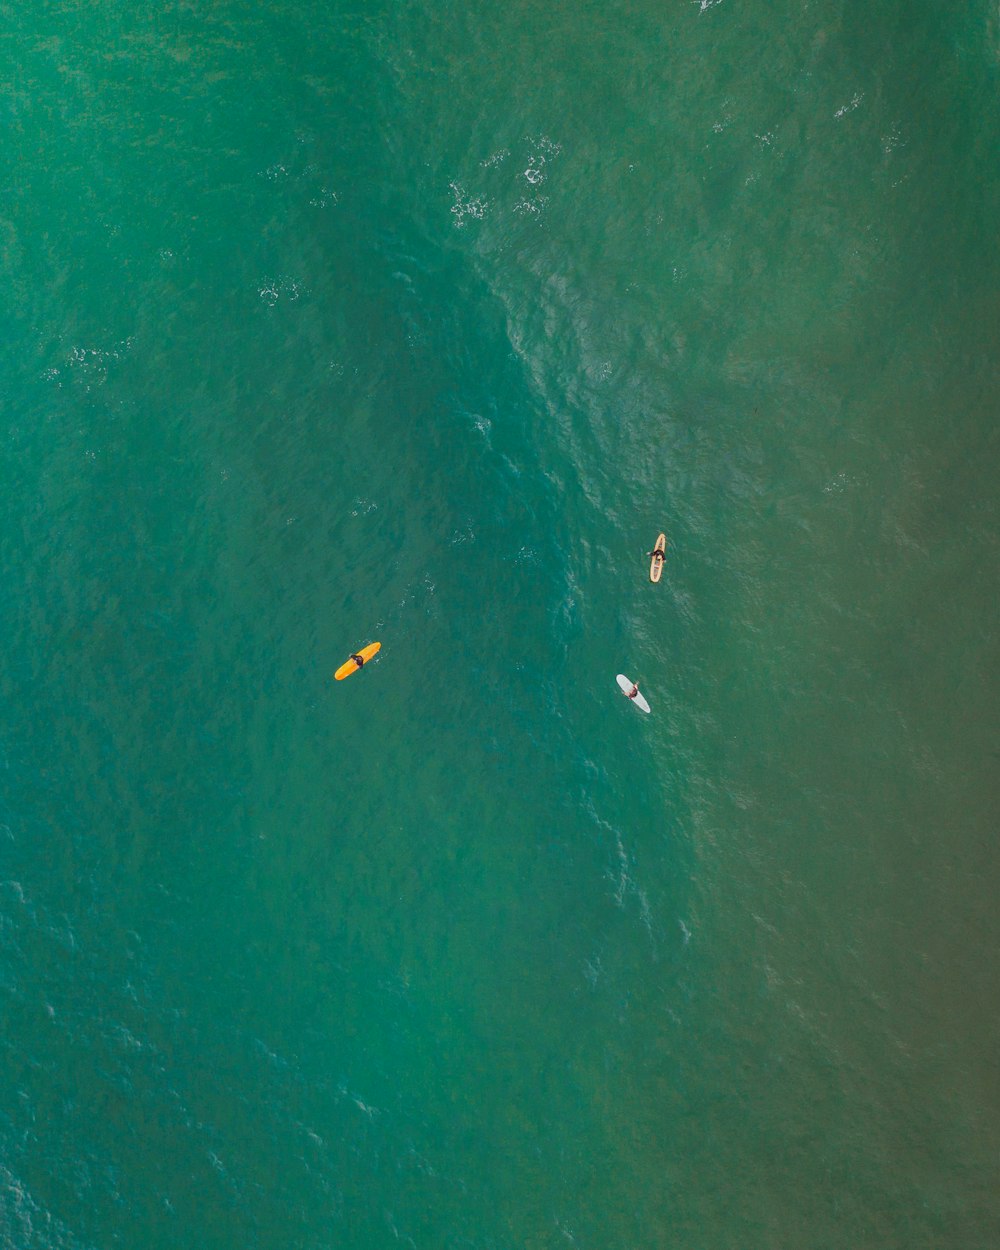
(655, 552)
(630, 694)
(358, 660)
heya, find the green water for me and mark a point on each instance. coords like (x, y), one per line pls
(326, 323)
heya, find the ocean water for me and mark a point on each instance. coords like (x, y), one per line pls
(326, 323)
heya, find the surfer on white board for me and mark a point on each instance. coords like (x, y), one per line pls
(630, 689)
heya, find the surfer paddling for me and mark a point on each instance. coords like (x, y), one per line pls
(656, 558)
(630, 689)
(357, 660)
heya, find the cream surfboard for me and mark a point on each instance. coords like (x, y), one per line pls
(657, 558)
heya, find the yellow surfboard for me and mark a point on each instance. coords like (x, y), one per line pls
(357, 660)
(656, 563)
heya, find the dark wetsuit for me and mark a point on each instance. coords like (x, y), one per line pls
(358, 661)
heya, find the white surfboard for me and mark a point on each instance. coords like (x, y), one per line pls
(626, 686)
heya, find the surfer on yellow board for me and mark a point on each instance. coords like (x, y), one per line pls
(357, 661)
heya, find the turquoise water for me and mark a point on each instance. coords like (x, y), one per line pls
(327, 323)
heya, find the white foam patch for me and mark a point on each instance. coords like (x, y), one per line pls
(849, 108)
(280, 289)
(466, 205)
(27, 1225)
